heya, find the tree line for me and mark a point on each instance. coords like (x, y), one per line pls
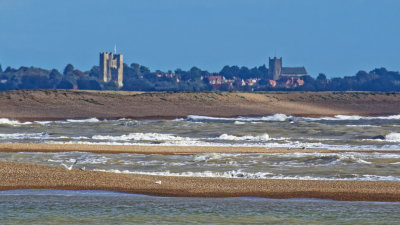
(140, 78)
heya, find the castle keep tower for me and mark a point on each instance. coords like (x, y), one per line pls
(112, 68)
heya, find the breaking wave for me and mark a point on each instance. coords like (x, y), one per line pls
(250, 175)
(275, 117)
(6, 121)
(264, 137)
(90, 120)
(143, 137)
(283, 117)
(395, 137)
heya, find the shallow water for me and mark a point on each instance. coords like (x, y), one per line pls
(305, 166)
(98, 207)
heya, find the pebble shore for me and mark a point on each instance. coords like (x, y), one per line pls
(26, 176)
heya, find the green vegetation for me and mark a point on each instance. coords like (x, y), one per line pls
(231, 78)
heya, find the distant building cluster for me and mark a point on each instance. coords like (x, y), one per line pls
(286, 76)
(112, 68)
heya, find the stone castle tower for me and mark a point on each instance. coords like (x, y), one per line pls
(112, 67)
(275, 68)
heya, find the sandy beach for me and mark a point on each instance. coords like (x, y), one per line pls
(25, 105)
(25, 176)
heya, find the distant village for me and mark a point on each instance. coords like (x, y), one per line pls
(111, 69)
(113, 74)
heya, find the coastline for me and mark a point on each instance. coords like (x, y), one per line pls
(26, 176)
(34, 105)
(166, 150)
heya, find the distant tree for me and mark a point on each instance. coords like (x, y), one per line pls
(1, 69)
(55, 77)
(65, 84)
(321, 82)
(79, 73)
(321, 77)
(144, 70)
(195, 73)
(10, 70)
(263, 71)
(68, 69)
(230, 72)
(244, 72)
(88, 84)
(135, 66)
(35, 82)
(95, 72)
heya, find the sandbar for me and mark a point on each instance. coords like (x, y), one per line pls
(27, 176)
(160, 149)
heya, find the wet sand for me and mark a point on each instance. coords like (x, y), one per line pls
(25, 176)
(167, 150)
(29, 105)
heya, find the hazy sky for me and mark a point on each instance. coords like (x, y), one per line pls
(337, 37)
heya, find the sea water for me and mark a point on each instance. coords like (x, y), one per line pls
(99, 207)
(341, 133)
(276, 131)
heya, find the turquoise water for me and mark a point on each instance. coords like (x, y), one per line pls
(99, 207)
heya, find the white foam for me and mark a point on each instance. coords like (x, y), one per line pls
(355, 117)
(90, 120)
(21, 136)
(248, 175)
(395, 137)
(43, 122)
(286, 145)
(264, 137)
(143, 137)
(227, 174)
(282, 117)
(6, 121)
(276, 117)
(361, 125)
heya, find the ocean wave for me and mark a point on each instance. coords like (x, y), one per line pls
(264, 137)
(6, 121)
(22, 136)
(227, 174)
(279, 117)
(251, 175)
(355, 117)
(89, 120)
(395, 137)
(361, 125)
(143, 137)
(275, 117)
(38, 136)
(287, 145)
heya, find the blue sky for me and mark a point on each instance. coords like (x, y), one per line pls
(336, 37)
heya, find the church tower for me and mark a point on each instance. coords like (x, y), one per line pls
(111, 68)
(275, 68)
